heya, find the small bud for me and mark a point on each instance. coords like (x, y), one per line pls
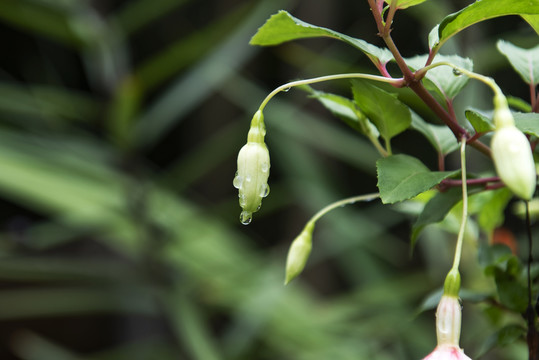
(448, 323)
(253, 170)
(448, 320)
(299, 253)
(502, 114)
(513, 160)
(452, 283)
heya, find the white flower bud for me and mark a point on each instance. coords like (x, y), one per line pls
(448, 320)
(513, 160)
(299, 252)
(253, 170)
(448, 323)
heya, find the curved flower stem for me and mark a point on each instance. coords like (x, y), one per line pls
(291, 84)
(460, 237)
(340, 203)
(485, 79)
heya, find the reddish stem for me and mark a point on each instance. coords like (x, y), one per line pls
(479, 181)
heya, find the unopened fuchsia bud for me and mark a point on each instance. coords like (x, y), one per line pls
(448, 322)
(253, 170)
(512, 153)
(299, 252)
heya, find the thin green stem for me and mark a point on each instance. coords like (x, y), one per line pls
(388, 146)
(389, 18)
(485, 79)
(292, 84)
(460, 237)
(379, 146)
(347, 201)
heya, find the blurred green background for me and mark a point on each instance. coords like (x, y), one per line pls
(120, 122)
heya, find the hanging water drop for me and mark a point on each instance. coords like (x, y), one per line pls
(456, 72)
(246, 217)
(286, 90)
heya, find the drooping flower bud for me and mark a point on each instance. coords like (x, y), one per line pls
(512, 153)
(253, 170)
(448, 323)
(299, 252)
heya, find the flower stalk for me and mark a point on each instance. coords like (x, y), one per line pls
(300, 249)
(449, 311)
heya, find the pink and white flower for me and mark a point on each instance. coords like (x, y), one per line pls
(448, 323)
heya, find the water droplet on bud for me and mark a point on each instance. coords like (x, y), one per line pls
(264, 190)
(246, 217)
(264, 167)
(238, 181)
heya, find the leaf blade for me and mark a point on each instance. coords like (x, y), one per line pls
(401, 177)
(524, 61)
(283, 27)
(389, 115)
(480, 11)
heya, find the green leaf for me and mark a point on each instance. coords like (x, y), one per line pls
(533, 20)
(390, 116)
(480, 11)
(524, 61)
(492, 206)
(512, 293)
(441, 137)
(480, 122)
(505, 336)
(435, 210)
(528, 123)
(509, 334)
(44, 19)
(434, 39)
(441, 78)
(283, 27)
(492, 256)
(401, 177)
(347, 111)
(519, 104)
(403, 4)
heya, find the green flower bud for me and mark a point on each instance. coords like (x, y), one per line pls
(253, 170)
(502, 114)
(452, 283)
(513, 160)
(299, 253)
